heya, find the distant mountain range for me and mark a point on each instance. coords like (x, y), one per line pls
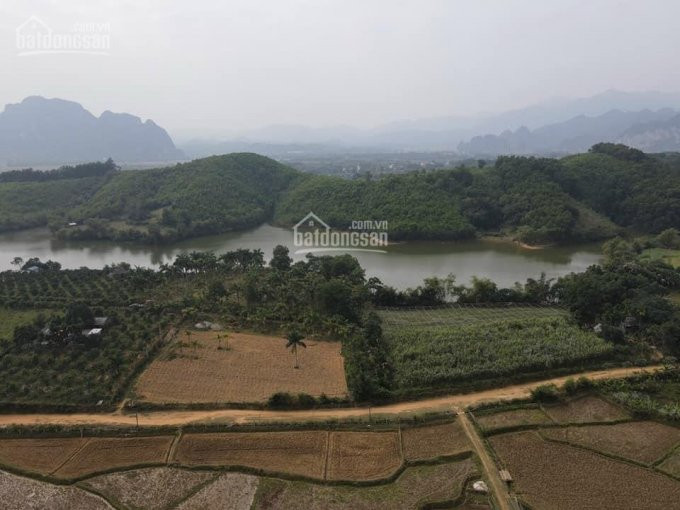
(576, 134)
(41, 131)
(53, 131)
(594, 116)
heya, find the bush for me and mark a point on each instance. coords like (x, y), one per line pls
(280, 400)
(545, 393)
(572, 386)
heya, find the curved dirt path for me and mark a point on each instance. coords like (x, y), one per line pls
(157, 418)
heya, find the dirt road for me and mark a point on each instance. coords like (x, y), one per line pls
(496, 485)
(178, 418)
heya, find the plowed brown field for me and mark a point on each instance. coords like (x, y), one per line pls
(297, 453)
(363, 455)
(432, 441)
(251, 370)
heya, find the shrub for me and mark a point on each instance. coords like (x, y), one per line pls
(280, 400)
(545, 393)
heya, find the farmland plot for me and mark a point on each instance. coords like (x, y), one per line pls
(588, 409)
(18, 493)
(250, 370)
(149, 488)
(230, 491)
(41, 456)
(554, 476)
(644, 441)
(432, 441)
(671, 465)
(102, 454)
(414, 489)
(363, 455)
(435, 356)
(296, 453)
(461, 315)
(512, 418)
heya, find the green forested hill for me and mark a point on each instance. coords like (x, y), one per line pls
(28, 198)
(205, 196)
(536, 200)
(416, 205)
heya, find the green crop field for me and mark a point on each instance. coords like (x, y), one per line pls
(459, 315)
(433, 348)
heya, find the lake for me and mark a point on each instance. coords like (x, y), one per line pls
(403, 265)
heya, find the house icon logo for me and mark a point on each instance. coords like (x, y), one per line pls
(33, 25)
(35, 37)
(310, 222)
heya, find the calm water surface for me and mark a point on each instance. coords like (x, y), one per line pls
(404, 265)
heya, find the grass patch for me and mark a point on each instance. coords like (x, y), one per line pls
(10, 319)
(669, 256)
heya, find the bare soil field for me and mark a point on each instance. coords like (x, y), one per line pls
(19, 493)
(149, 488)
(230, 491)
(416, 487)
(512, 418)
(586, 410)
(644, 441)
(553, 476)
(671, 465)
(102, 454)
(363, 455)
(41, 456)
(432, 441)
(297, 453)
(251, 370)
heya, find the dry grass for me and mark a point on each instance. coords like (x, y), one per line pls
(150, 488)
(644, 442)
(296, 453)
(672, 464)
(415, 488)
(363, 455)
(586, 410)
(432, 441)
(231, 491)
(513, 418)
(18, 493)
(554, 476)
(38, 455)
(102, 454)
(252, 369)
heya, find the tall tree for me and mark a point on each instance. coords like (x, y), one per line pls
(294, 341)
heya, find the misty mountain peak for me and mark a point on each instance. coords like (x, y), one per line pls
(56, 131)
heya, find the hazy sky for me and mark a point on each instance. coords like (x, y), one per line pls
(215, 66)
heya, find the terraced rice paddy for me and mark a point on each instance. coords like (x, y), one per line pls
(103, 454)
(294, 453)
(645, 442)
(551, 476)
(588, 409)
(415, 488)
(432, 441)
(363, 455)
(512, 418)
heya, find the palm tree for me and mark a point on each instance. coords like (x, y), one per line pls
(295, 340)
(188, 334)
